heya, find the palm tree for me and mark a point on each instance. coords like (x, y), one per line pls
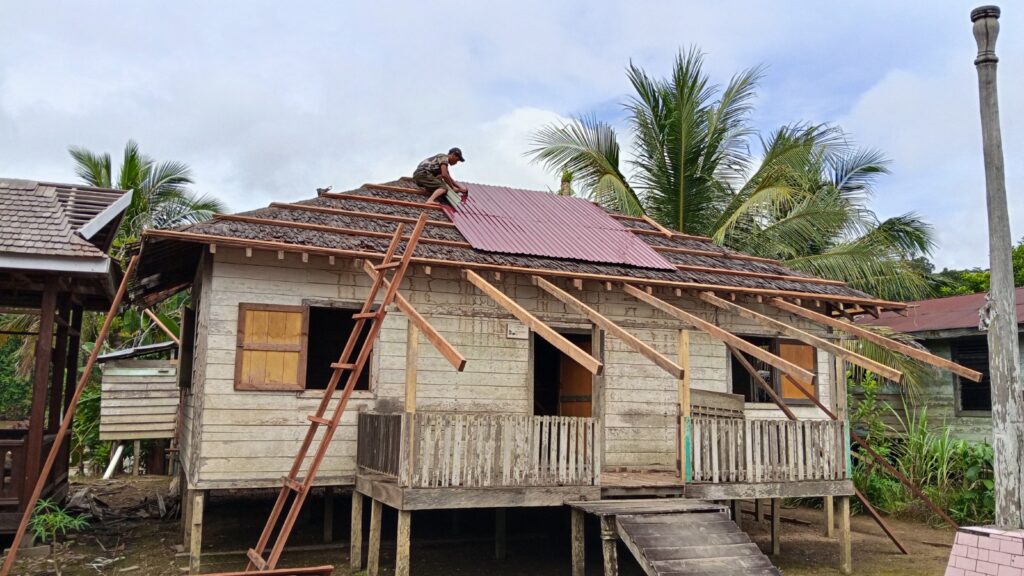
(161, 197)
(804, 202)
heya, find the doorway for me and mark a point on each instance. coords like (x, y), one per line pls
(561, 387)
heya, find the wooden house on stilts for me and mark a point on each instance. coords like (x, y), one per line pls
(541, 352)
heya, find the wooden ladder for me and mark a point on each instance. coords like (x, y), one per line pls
(293, 488)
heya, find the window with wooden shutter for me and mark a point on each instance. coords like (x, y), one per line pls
(803, 356)
(271, 352)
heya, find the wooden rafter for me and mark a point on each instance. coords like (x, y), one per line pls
(593, 365)
(889, 343)
(728, 338)
(611, 327)
(320, 250)
(806, 338)
(375, 200)
(333, 229)
(453, 356)
(358, 214)
(401, 189)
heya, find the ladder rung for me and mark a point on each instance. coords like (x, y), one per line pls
(387, 265)
(293, 484)
(339, 366)
(256, 559)
(360, 315)
(319, 420)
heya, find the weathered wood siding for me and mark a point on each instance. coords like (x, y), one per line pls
(248, 437)
(138, 399)
(938, 394)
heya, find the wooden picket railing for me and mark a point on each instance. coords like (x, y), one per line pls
(729, 450)
(478, 450)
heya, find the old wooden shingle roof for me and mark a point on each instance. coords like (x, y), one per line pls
(47, 219)
(359, 224)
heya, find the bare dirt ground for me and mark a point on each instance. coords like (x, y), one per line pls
(446, 544)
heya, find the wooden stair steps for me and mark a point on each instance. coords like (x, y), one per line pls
(318, 420)
(256, 559)
(366, 315)
(697, 543)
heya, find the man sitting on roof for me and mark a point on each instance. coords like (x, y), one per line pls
(432, 175)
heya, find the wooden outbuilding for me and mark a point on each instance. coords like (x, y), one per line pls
(54, 240)
(501, 379)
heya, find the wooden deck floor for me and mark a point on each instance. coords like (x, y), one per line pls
(641, 484)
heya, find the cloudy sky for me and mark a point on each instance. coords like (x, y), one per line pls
(269, 100)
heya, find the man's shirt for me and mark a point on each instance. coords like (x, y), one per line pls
(433, 164)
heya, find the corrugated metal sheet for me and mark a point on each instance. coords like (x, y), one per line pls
(515, 221)
(940, 314)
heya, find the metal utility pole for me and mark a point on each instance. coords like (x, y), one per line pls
(999, 312)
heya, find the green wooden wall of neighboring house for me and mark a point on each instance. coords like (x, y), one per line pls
(939, 394)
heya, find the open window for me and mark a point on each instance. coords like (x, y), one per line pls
(286, 348)
(974, 398)
(803, 355)
(329, 331)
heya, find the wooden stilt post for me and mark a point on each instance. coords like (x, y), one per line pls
(736, 506)
(845, 545)
(328, 514)
(373, 561)
(402, 543)
(136, 456)
(830, 516)
(776, 525)
(195, 538)
(500, 533)
(684, 403)
(355, 560)
(758, 511)
(41, 373)
(609, 543)
(578, 556)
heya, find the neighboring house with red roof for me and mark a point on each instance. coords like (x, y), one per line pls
(949, 327)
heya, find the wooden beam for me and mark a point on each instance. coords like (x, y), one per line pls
(806, 338)
(546, 332)
(762, 383)
(719, 334)
(453, 356)
(162, 326)
(889, 343)
(374, 199)
(612, 328)
(333, 230)
(402, 189)
(358, 214)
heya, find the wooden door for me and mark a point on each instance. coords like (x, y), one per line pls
(575, 384)
(803, 356)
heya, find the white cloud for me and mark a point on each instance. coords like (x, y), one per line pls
(930, 126)
(268, 100)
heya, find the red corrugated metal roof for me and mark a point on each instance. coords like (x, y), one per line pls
(515, 221)
(940, 314)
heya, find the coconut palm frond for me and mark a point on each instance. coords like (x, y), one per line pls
(589, 149)
(915, 373)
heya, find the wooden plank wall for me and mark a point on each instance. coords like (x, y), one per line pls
(139, 399)
(640, 399)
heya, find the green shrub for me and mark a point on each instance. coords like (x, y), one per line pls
(955, 474)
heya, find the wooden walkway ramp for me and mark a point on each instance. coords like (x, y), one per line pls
(672, 537)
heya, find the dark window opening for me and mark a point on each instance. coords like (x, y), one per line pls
(973, 353)
(744, 384)
(561, 387)
(329, 330)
